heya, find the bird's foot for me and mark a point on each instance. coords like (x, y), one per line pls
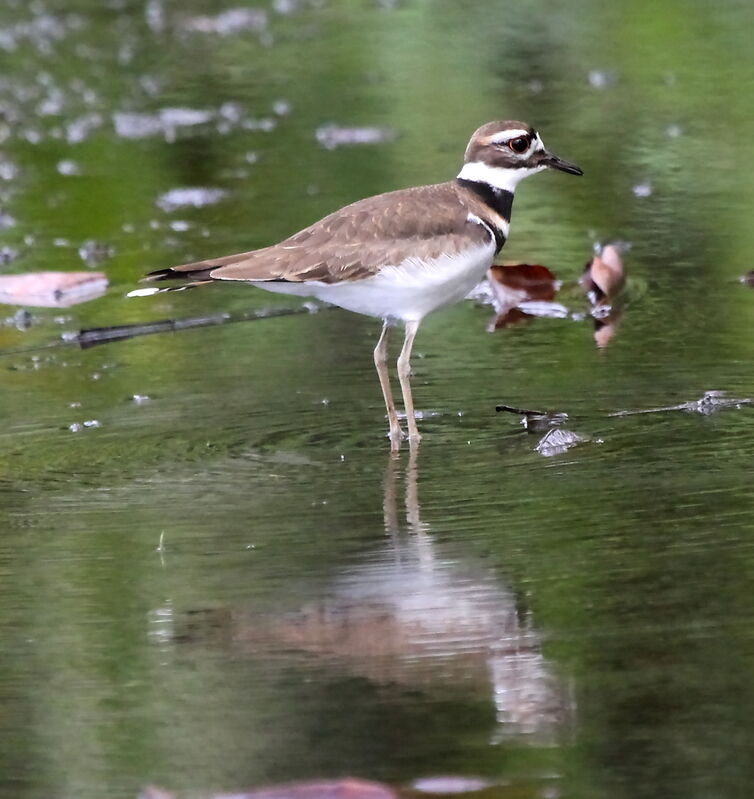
(396, 435)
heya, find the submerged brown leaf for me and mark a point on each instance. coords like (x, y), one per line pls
(51, 289)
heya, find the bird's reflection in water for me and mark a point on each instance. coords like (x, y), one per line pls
(451, 621)
(415, 613)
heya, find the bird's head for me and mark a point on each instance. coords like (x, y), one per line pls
(503, 153)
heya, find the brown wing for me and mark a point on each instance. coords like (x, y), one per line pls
(354, 242)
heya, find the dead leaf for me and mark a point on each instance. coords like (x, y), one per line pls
(602, 281)
(51, 289)
(604, 276)
(515, 284)
(537, 282)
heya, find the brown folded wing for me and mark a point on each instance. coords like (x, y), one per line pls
(354, 242)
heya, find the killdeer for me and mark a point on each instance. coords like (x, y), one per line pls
(397, 256)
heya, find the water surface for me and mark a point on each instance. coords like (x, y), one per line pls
(230, 584)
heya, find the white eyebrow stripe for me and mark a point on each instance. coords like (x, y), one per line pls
(507, 135)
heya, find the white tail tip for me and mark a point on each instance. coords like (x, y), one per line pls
(143, 292)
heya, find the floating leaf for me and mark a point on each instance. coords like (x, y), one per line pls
(603, 280)
(604, 276)
(536, 281)
(51, 289)
(514, 285)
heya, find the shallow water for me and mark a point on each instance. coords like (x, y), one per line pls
(229, 583)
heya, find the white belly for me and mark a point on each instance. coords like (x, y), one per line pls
(407, 292)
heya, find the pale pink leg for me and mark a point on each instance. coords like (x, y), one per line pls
(380, 361)
(404, 375)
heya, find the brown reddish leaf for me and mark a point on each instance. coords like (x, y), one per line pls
(51, 289)
(604, 276)
(535, 281)
(513, 284)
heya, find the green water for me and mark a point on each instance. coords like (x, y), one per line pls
(230, 584)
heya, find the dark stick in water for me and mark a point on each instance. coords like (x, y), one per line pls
(94, 336)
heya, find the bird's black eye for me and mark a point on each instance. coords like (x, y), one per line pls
(519, 145)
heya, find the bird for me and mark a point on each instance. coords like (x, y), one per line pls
(399, 255)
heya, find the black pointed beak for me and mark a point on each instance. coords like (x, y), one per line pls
(554, 162)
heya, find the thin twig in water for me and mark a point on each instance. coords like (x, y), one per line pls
(94, 336)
